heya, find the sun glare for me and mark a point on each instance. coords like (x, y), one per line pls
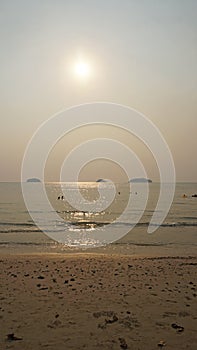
(82, 69)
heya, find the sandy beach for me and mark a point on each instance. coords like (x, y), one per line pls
(97, 301)
(98, 180)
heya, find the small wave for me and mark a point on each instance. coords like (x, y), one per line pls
(190, 217)
(17, 224)
(140, 244)
(82, 224)
(179, 224)
(21, 230)
(27, 243)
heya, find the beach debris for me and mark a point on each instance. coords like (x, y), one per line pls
(40, 277)
(102, 325)
(60, 197)
(194, 195)
(178, 328)
(104, 313)
(43, 288)
(13, 275)
(112, 319)
(12, 337)
(161, 343)
(123, 343)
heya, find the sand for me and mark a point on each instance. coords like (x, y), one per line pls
(97, 301)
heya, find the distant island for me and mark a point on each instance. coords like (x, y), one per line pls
(140, 180)
(33, 179)
(102, 180)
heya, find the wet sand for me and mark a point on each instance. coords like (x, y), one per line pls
(97, 301)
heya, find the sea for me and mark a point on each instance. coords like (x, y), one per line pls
(92, 217)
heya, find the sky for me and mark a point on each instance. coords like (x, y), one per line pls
(142, 54)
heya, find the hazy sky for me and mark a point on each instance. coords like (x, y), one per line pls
(143, 54)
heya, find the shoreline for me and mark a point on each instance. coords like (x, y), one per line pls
(164, 242)
(76, 255)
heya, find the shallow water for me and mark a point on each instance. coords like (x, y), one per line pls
(18, 230)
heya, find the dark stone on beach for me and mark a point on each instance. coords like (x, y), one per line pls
(192, 264)
(40, 277)
(13, 275)
(123, 343)
(112, 319)
(177, 327)
(12, 337)
(66, 281)
(161, 344)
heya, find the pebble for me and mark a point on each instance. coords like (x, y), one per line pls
(161, 343)
(177, 327)
(12, 337)
(123, 343)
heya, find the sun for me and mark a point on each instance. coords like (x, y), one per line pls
(82, 69)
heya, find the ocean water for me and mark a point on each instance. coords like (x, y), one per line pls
(19, 233)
